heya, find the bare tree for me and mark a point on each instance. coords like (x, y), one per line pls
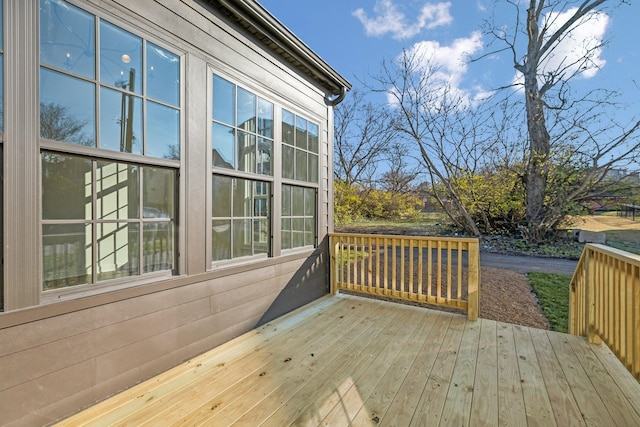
(400, 176)
(559, 123)
(452, 137)
(363, 132)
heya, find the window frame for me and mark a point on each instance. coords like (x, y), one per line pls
(271, 179)
(292, 182)
(95, 155)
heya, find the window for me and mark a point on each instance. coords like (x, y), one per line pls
(298, 217)
(132, 83)
(299, 148)
(104, 90)
(242, 129)
(103, 220)
(300, 163)
(242, 147)
(240, 218)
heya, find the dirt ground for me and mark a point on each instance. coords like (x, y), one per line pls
(507, 296)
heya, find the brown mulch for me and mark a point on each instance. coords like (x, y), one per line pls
(507, 296)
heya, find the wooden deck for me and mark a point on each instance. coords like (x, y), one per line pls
(346, 360)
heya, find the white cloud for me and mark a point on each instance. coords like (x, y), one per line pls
(447, 65)
(388, 19)
(579, 50)
(582, 41)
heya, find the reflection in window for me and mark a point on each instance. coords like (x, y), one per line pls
(242, 129)
(240, 223)
(131, 121)
(67, 109)
(298, 217)
(104, 220)
(299, 148)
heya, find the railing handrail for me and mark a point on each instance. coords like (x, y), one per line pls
(407, 236)
(605, 301)
(415, 268)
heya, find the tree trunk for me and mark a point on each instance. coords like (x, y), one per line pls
(539, 140)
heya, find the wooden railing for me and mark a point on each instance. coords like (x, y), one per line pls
(432, 270)
(605, 302)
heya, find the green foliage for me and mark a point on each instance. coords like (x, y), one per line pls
(494, 199)
(552, 291)
(353, 203)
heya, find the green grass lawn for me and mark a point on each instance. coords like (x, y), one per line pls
(553, 294)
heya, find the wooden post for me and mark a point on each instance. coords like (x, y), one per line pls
(333, 267)
(473, 299)
(590, 291)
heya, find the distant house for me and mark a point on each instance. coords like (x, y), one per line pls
(167, 186)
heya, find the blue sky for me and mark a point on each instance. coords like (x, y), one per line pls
(354, 36)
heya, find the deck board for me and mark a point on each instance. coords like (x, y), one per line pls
(346, 360)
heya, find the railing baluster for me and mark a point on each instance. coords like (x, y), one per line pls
(449, 275)
(429, 269)
(439, 273)
(412, 293)
(420, 267)
(402, 278)
(459, 290)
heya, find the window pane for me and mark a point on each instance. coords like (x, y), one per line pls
(118, 250)
(242, 233)
(242, 197)
(301, 133)
(163, 75)
(309, 202)
(158, 192)
(261, 236)
(301, 165)
(66, 255)
(67, 109)
(223, 146)
(261, 206)
(66, 187)
(221, 239)
(246, 152)
(297, 198)
(163, 131)
(264, 156)
(288, 121)
(221, 196)
(246, 110)
(286, 200)
(313, 137)
(67, 38)
(120, 121)
(297, 232)
(287, 161)
(158, 246)
(118, 191)
(286, 233)
(120, 58)
(265, 118)
(223, 100)
(313, 168)
(309, 232)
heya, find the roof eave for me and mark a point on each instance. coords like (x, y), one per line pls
(275, 36)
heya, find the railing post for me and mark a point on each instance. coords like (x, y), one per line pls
(473, 299)
(333, 270)
(590, 294)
